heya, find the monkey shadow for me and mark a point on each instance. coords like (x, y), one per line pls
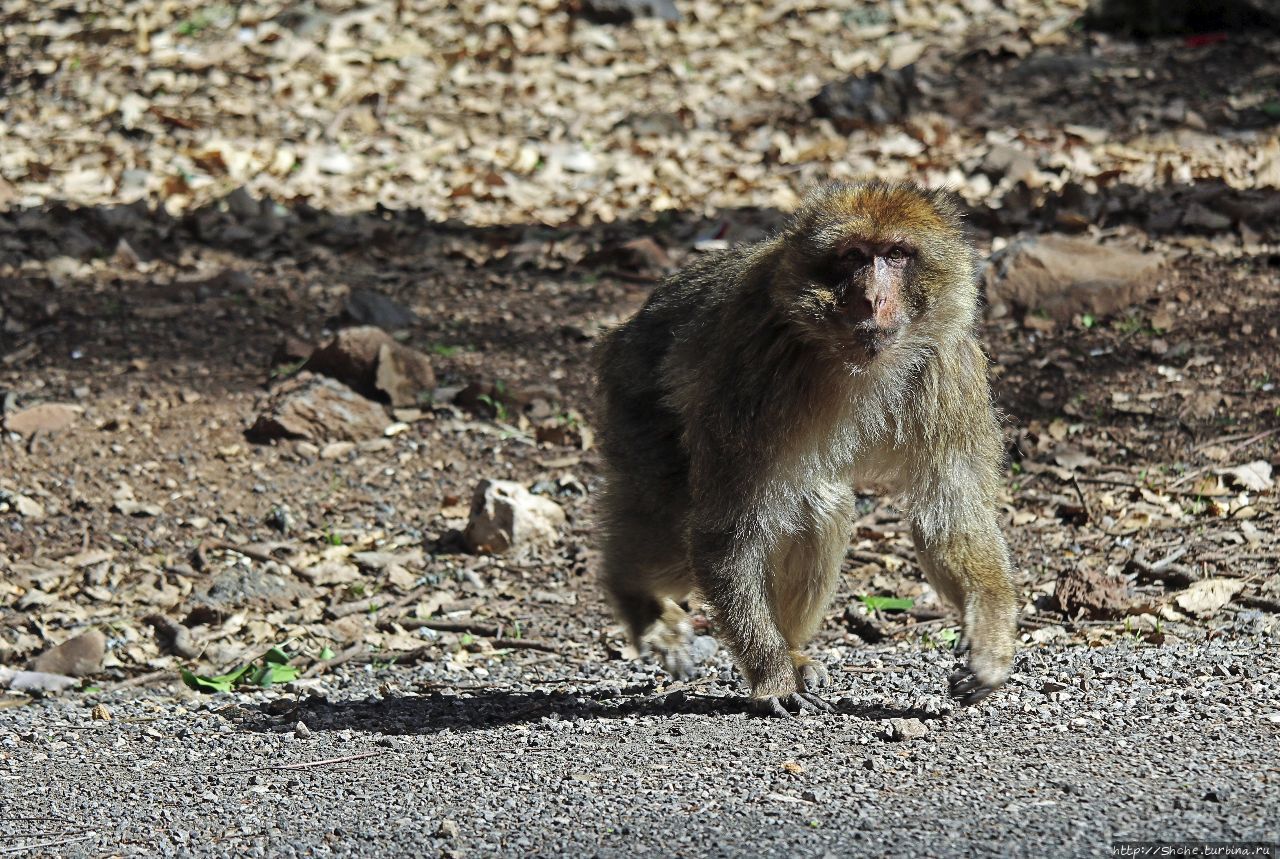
(483, 709)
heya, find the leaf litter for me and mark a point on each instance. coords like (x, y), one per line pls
(194, 197)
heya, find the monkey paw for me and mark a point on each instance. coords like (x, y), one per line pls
(809, 673)
(800, 701)
(976, 679)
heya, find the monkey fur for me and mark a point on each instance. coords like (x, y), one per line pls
(740, 402)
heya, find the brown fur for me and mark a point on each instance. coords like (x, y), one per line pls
(740, 402)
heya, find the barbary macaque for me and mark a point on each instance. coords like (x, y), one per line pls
(740, 403)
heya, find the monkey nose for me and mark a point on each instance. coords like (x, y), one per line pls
(858, 306)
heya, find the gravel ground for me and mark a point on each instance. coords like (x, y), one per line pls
(1086, 745)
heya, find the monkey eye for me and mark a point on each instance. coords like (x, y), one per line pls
(897, 253)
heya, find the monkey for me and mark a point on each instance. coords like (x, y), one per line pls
(739, 404)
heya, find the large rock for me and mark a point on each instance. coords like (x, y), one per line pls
(1063, 275)
(75, 657)
(45, 418)
(505, 516)
(367, 307)
(626, 11)
(368, 360)
(871, 99)
(316, 408)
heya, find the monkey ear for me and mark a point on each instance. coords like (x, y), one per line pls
(950, 205)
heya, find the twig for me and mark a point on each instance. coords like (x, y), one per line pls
(139, 680)
(480, 629)
(1229, 438)
(222, 546)
(1191, 475)
(524, 644)
(371, 603)
(1108, 481)
(345, 656)
(1084, 502)
(23, 848)
(302, 766)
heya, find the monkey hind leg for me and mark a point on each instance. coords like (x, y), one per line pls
(644, 573)
(972, 572)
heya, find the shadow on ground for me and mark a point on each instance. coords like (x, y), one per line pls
(435, 712)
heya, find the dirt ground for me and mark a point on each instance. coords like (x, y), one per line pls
(164, 268)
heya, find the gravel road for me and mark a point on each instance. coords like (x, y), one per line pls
(1084, 746)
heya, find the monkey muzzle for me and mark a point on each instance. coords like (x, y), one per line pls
(872, 317)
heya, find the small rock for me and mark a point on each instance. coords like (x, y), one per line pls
(1009, 161)
(139, 509)
(315, 408)
(241, 204)
(49, 417)
(871, 99)
(336, 450)
(76, 657)
(703, 648)
(579, 160)
(125, 256)
(447, 829)
(404, 375)
(100, 713)
(636, 255)
(291, 351)
(335, 162)
(1064, 276)
(366, 307)
(505, 515)
(899, 730)
(28, 508)
(301, 731)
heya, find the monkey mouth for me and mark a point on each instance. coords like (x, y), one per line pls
(865, 338)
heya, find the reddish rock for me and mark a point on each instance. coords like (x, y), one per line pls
(76, 657)
(1063, 276)
(316, 408)
(369, 361)
(49, 417)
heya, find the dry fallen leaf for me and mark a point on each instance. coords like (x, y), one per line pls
(1209, 595)
(1254, 475)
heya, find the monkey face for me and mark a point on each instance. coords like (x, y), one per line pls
(872, 262)
(869, 276)
(856, 294)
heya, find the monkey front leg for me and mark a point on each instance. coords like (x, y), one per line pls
(970, 568)
(732, 572)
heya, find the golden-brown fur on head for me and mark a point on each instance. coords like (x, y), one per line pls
(938, 296)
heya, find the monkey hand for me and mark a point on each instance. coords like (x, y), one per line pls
(674, 646)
